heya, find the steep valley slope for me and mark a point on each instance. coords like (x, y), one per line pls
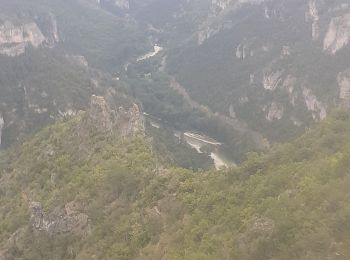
(53, 57)
(84, 175)
(275, 65)
(258, 72)
(92, 188)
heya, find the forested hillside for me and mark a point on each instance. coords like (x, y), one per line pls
(97, 99)
(74, 192)
(53, 56)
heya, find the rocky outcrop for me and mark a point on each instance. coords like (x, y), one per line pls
(338, 34)
(275, 112)
(123, 4)
(251, 79)
(100, 114)
(243, 100)
(127, 122)
(313, 105)
(78, 60)
(67, 113)
(232, 112)
(286, 51)
(313, 16)
(344, 88)
(133, 121)
(210, 26)
(15, 38)
(52, 36)
(289, 83)
(69, 219)
(243, 52)
(296, 121)
(272, 80)
(2, 123)
(205, 32)
(221, 5)
(270, 12)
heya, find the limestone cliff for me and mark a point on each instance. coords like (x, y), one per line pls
(15, 38)
(313, 16)
(69, 219)
(126, 121)
(275, 112)
(2, 122)
(123, 4)
(271, 80)
(338, 34)
(344, 85)
(100, 114)
(314, 105)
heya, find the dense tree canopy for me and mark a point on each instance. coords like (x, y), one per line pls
(290, 203)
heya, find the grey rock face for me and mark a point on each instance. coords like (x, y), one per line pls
(106, 120)
(2, 123)
(134, 122)
(312, 15)
(100, 114)
(338, 34)
(123, 4)
(288, 53)
(275, 111)
(344, 85)
(15, 38)
(69, 219)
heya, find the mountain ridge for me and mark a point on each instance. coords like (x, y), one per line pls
(84, 193)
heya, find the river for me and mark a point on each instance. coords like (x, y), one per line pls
(203, 144)
(156, 50)
(200, 142)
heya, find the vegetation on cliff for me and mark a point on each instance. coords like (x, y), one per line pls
(291, 203)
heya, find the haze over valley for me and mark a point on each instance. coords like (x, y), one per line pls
(174, 129)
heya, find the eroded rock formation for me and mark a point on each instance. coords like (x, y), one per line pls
(338, 34)
(272, 80)
(125, 121)
(314, 105)
(344, 88)
(100, 114)
(275, 111)
(2, 123)
(15, 38)
(61, 220)
(123, 4)
(313, 16)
